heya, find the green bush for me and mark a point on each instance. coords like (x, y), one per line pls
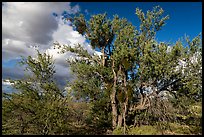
(142, 130)
(173, 129)
(177, 128)
(118, 131)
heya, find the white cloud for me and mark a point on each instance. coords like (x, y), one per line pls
(32, 24)
(28, 24)
(14, 49)
(66, 35)
(6, 82)
(169, 48)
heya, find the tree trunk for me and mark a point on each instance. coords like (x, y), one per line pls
(125, 104)
(114, 110)
(103, 56)
(113, 100)
(120, 121)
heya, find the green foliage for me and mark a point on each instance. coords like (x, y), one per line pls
(39, 106)
(118, 131)
(80, 24)
(126, 50)
(174, 129)
(113, 85)
(180, 129)
(42, 68)
(142, 130)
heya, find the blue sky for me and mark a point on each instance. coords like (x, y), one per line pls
(185, 17)
(25, 24)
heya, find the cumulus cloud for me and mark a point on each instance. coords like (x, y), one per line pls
(6, 82)
(14, 49)
(66, 35)
(30, 23)
(26, 25)
(33, 21)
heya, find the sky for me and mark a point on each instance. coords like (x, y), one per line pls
(185, 17)
(27, 25)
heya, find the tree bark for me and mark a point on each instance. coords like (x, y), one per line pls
(120, 121)
(103, 56)
(125, 103)
(113, 100)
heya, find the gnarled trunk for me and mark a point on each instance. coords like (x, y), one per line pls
(114, 110)
(113, 100)
(103, 55)
(125, 103)
(120, 121)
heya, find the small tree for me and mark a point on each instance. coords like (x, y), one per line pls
(39, 106)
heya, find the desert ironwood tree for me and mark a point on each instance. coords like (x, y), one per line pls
(131, 61)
